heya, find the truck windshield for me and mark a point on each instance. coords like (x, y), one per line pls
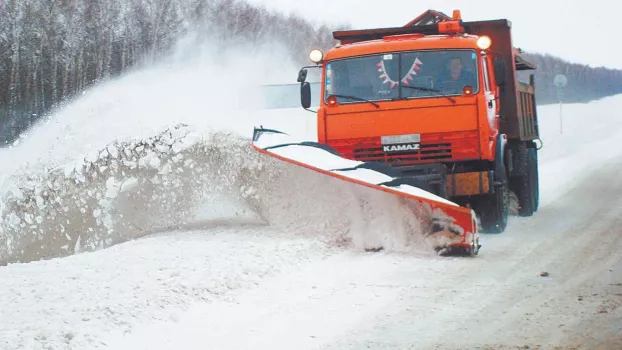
(393, 76)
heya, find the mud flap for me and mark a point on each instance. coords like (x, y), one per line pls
(457, 232)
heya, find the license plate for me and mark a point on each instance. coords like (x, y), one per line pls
(401, 139)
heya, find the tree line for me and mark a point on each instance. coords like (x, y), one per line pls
(50, 50)
(584, 83)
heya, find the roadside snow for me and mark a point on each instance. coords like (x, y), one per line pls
(71, 302)
(301, 310)
(122, 191)
(590, 138)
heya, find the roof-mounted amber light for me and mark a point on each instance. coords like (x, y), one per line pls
(448, 27)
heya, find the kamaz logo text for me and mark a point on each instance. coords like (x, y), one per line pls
(401, 148)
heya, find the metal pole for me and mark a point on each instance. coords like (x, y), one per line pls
(561, 126)
(560, 81)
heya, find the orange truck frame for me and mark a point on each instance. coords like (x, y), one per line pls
(440, 101)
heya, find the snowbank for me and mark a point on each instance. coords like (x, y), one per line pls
(121, 192)
(586, 138)
(72, 303)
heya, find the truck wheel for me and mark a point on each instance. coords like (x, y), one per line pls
(527, 186)
(494, 208)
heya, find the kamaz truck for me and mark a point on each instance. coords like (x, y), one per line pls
(432, 112)
(439, 100)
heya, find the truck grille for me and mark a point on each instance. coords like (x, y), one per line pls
(434, 148)
(428, 152)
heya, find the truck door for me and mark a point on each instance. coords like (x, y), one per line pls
(491, 102)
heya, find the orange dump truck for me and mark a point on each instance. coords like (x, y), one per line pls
(439, 101)
(432, 112)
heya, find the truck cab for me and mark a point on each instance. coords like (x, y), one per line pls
(438, 100)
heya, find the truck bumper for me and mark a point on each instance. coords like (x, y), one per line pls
(469, 184)
(439, 182)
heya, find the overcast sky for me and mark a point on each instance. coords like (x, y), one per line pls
(575, 31)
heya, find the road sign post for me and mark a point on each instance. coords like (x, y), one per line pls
(560, 82)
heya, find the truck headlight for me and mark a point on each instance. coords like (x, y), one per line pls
(484, 42)
(316, 56)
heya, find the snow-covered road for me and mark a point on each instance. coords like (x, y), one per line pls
(386, 301)
(71, 302)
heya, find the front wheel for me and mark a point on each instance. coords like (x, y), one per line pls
(494, 209)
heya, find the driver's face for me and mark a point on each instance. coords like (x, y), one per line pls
(455, 66)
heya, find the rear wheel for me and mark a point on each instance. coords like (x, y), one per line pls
(493, 209)
(527, 186)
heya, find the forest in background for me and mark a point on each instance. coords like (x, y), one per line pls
(585, 83)
(51, 50)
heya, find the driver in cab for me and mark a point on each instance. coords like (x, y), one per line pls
(455, 77)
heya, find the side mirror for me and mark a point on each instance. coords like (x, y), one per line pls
(302, 75)
(305, 95)
(500, 72)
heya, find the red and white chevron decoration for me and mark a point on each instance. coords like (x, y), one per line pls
(409, 75)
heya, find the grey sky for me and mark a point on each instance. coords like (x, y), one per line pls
(543, 26)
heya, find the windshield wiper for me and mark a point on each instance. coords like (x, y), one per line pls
(356, 98)
(421, 88)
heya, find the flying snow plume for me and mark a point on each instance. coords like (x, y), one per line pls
(151, 151)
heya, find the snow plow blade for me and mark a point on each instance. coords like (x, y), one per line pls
(456, 235)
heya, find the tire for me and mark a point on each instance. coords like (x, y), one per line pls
(494, 209)
(527, 186)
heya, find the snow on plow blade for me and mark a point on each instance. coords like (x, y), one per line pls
(459, 236)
